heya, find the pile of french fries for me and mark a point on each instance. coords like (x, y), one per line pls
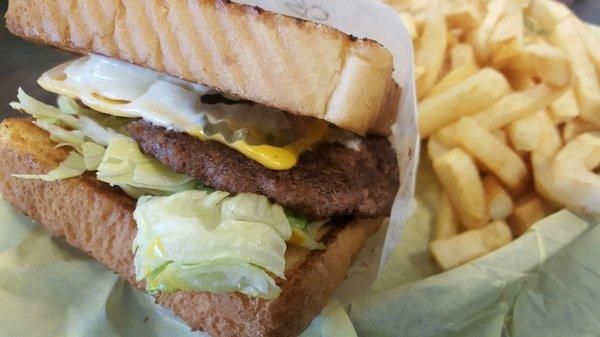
(509, 108)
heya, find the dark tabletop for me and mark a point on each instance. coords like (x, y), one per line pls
(21, 62)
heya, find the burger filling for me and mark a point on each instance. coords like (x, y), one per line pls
(223, 185)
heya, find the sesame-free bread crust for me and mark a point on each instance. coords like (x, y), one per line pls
(98, 219)
(294, 65)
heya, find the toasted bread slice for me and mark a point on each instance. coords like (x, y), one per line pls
(98, 220)
(276, 60)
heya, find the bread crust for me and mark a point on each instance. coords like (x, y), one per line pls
(294, 65)
(98, 220)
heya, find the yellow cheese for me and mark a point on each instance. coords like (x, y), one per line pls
(125, 90)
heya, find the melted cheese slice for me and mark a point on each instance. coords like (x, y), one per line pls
(121, 89)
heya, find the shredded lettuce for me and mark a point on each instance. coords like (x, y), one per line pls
(252, 207)
(137, 192)
(303, 233)
(190, 241)
(70, 106)
(124, 164)
(72, 138)
(92, 134)
(43, 111)
(95, 131)
(73, 166)
(70, 123)
(92, 155)
(305, 237)
(63, 127)
(295, 220)
(95, 125)
(244, 278)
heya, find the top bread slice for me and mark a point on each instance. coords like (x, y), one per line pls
(98, 220)
(287, 63)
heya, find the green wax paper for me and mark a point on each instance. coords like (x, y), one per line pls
(546, 283)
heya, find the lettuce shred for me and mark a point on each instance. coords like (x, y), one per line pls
(73, 166)
(193, 241)
(125, 164)
(101, 144)
(305, 236)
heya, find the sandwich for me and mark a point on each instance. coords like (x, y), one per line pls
(227, 160)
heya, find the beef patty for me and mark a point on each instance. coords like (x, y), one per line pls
(331, 180)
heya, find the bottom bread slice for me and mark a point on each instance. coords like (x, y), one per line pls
(98, 219)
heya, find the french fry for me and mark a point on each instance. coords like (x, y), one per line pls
(435, 149)
(574, 128)
(463, 14)
(418, 6)
(543, 155)
(446, 224)
(519, 81)
(460, 14)
(564, 108)
(453, 77)
(525, 133)
(478, 39)
(419, 72)
(523, 3)
(501, 136)
(444, 72)
(498, 200)
(477, 92)
(528, 210)
(458, 174)
(533, 29)
(447, 135)
(461, 55)
(591, 42)
(586, 80)
(517, 106)
(507, 38)
(552, 141)
(543, 61)
(465, 247)
(495, 156)
(409, 23)
(454, 37)
(575, 184)
(476, 125)
(548, 13)
(507, 110)
(400, 6)
(432, 47)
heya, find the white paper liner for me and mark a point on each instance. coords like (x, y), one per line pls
(379, 22)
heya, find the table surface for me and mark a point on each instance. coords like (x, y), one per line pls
(22, 62)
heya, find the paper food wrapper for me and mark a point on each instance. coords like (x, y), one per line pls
(70, 295)
(546, 283)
